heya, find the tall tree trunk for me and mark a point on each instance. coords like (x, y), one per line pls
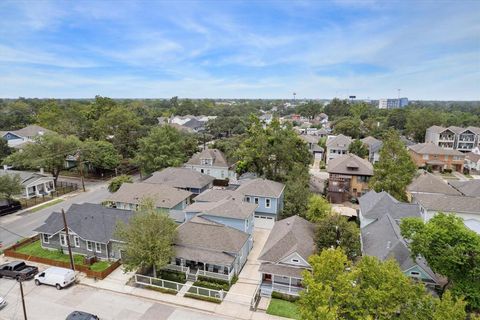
(154, 271)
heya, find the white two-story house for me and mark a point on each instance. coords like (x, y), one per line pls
(212, 162)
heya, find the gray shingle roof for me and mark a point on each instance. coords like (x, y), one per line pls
(350, 164)
(261, 187)
(374, 145)
(309, 138)
(92, 222)
(293, 234)
(447, 203)
(218, 157)
(180, 178)
(282, 270)
(28, 178)
(227, 208)
(469, 188)
(436, 129)
(213, 195)
(29, 131)
(338, 141)
(382, 239)
(431, 148)
(164, 196)
(375, 205)
(202, 240)
(472, 156)
(429, 183)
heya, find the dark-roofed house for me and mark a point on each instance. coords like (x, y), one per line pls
(182, 178)
(16, 138)
(212, 162)
(374, 146)
(267, 195)
(429, 183)
(374, 205)
(91, 229)
(348, 177)
(337, 146)
(34, 184)
(439, 159)
(285, 256)
(210, 249)
(470, 188)
(130, 195)
(382, 239)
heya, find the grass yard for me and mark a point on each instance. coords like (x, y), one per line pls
(46, 205)
(35, 249)
(282, 308)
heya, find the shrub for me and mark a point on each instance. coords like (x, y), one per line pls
(162, 290)
(447, 170)
(174, 276)
(213, 280)
(234, 279)
(117, 182)
(204, 298)
(283, 296)
(212, 285)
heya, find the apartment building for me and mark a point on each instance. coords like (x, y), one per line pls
(457, 138)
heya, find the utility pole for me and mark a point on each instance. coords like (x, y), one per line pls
(72, 265)
(80, 168)
(20, 280)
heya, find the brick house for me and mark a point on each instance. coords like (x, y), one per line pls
(439, 159)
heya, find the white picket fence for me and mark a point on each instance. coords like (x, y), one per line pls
(159, 283)
(206, 292)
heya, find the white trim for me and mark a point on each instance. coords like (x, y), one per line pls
(63, 237)
(47, 239)
(91, 245)
(99, 246)
(75, 240)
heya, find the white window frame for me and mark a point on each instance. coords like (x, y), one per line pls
(98, 247)
(89, 245)
(76, 241)
(63, 240)
(268, 203)
(45, 238)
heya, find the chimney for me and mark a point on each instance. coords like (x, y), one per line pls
(5, 167)
(41, 171)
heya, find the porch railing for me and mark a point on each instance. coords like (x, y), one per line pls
(221, 276)
(293, 290)
(159, 283)
(174, 267)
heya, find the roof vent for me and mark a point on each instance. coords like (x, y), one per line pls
(389, 244)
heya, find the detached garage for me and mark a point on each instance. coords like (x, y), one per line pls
(264, 221)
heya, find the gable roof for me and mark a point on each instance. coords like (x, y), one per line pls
(469, 188)
(213, 195)
(437, 129)
(338, 141)
(89, 221)
(227, 208)
(309, 138)
(261, 187)
(28, 178)
(28, 131)
(427, 182)
(373, 144)
(164, 196)
(382, 239)
(219, 159)
(180, 178)
(290, 235)
(375, 205)
(472, 157)
(474, 129)
(350, 164)
(200, 239)
(447, 203)
(431, 148)
(194, 123)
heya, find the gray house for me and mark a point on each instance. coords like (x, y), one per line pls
(130, 195)
(268, 195)
(374, 146)
(34, 184)
(337, 146)
(182, 178)
(207, 248)
(17, 138)
(91, 228)
(285, 256)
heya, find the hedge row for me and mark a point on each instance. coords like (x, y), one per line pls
(283, 296)
(204, 298)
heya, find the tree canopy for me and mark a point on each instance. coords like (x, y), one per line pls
(358, 148)
(318, 208)
(335, 231)
(451, 249)
(370, 289)
(395, 169)
(117, 182)
(10, 184)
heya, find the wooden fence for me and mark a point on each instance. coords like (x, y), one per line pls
(12, 252)
(61, 189)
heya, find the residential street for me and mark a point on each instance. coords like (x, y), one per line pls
(45, 302)
(16, 226)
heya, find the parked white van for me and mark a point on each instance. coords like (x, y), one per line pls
(55, 276)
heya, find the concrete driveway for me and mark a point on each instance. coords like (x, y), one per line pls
(249, 277)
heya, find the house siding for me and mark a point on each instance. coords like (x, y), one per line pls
(276, 204)
(421, 273)
(239, 224)
(220, 173)
(54, 244)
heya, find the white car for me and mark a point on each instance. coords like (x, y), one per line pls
(3, 303)
(55, 276)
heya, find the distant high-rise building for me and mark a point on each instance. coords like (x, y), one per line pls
(392, 103)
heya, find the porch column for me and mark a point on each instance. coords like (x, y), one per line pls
(36, 190)
(45, 188)
(289, 284)
(26, 193)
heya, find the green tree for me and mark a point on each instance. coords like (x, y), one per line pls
(418, 120)
(348, 126)
(100, 154)
(164, 147)
(358, 147)
(451, 249)
(335, 231)
(48, 152)
(5, 150)
(297, 192)
(148, 237)
(395, 169)
(368, 290)
(10, 184)
(310, 109)
(318, 208)
(117, 182)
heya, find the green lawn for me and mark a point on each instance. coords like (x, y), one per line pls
(46, 205)
(35, 249)
(283, 308)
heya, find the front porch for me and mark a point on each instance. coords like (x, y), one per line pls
(195, 269)
(38, 190)
(283, 284)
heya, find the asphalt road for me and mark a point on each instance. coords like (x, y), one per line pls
(16, 226)
(45, 302)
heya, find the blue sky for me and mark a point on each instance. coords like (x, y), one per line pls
(265, 49)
